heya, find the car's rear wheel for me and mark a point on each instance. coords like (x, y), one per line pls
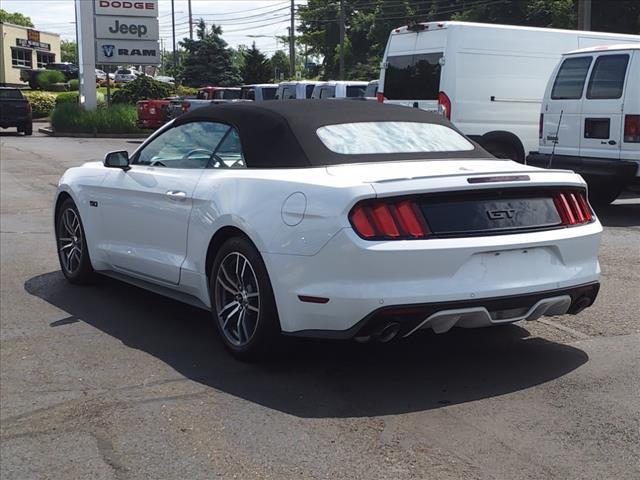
(242, 301)
(72, 245)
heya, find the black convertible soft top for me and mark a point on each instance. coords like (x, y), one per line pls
(282, 133)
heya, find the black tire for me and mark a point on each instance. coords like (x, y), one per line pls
(27, 128)
(71, 244)
(604, 194)
(503, 150)
(247, 334)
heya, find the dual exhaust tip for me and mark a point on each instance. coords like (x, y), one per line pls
(384, 334)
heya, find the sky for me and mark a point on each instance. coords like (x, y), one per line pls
(242, 21)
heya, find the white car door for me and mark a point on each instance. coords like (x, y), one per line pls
(601, 116)
(146, 209)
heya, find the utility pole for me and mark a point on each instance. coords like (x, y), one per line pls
(584, 14)
(173, 29)
(341, 39)
(292, 45)
(190, 22)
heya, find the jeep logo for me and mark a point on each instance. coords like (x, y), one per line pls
(133, 29)
(501, 214)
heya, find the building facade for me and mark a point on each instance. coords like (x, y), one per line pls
(24, 47)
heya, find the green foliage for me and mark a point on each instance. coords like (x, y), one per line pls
(15, 18)
(184, 91)
(69, 51)
(208, 59)
(72, 118)
(47, 78)
(256, 67)
(280, 65)
(142, 88)
(74, 97)
(42, 103)
(74, 84)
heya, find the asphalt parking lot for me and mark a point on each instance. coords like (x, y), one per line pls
(112, 382)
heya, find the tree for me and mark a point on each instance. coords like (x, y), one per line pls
(280, 65)
(15, 18)
(69, 51)
(208, 59)
(256, 68)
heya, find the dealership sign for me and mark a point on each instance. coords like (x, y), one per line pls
(129, 8)
(126, 32)
(127, 52)
(127, 28)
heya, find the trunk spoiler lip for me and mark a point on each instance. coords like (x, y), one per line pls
(475, 178)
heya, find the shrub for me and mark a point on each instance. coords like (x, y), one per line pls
(72, 118)
(186, 91)
(42, 103)
(74, 97)
(47, 78)
(142, 88)
(74, 85)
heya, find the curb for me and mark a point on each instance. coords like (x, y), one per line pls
(130, 136)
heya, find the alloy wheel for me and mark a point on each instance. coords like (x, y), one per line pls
(70, 241)
(237, 298)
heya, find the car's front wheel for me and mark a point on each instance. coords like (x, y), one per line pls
(243, 304)
(72, 245)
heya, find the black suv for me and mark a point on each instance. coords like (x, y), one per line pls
(15, 110)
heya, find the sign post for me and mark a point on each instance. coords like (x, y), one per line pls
(86, 54)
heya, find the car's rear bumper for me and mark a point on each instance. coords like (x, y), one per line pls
(360, 277)
(600, 168)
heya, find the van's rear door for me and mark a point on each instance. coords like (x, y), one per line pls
(601, 118)
(412, 68)
(563, 106)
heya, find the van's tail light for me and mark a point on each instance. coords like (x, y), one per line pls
(385, 220)
(632, 128)
(540, 125)
(444, 105)
(380, 97)
(573, 208)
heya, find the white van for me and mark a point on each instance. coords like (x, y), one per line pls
(295, 90)
(340, 89)
(488, 79)
(590, 119)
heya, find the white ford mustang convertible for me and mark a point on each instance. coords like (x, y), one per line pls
(345, 220)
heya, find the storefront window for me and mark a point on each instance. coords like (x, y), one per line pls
(21, 58)
(45, 59)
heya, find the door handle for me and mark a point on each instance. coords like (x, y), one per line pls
(176, 195)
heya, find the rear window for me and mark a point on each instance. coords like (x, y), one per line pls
(607, 77)
(269, 93)
(124, 72)
(569, 82)
(413, 77)
(391, 137)
(355, 91)
(229, 94)
(309, 90)
(11, 94)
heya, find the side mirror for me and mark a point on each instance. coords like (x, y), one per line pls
(118, 159)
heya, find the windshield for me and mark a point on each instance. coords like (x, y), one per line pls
(10, 94)
(391, 137)
(413, 77)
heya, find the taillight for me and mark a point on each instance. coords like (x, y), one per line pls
(444, 105)
(185, 106)
(540, 125)
(380, 97)
(632, 128)
(388, 220)
(28, 107)
(573, 208)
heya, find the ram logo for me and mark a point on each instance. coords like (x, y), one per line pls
(108, 50)
(501, 214)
